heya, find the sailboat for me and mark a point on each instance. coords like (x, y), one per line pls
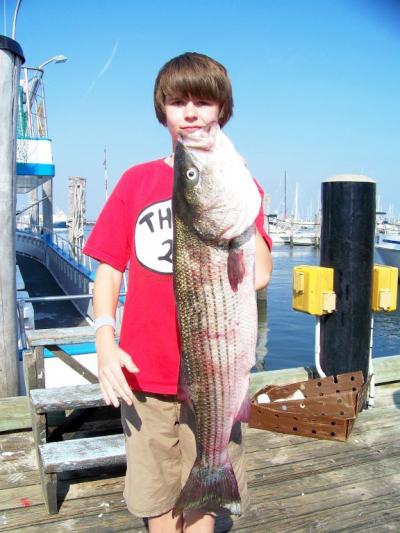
(293, 230)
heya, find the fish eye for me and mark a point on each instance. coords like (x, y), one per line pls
(192, 174)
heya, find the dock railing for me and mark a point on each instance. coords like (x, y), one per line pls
(23, 342)
(73, 250)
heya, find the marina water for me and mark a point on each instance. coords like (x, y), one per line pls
(290, 334)
(286, 337)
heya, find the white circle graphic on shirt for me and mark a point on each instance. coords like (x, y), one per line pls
(153, 237)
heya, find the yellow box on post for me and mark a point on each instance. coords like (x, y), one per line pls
(313, 290)
(384, 288)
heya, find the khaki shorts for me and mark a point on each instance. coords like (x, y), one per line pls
(161, 450)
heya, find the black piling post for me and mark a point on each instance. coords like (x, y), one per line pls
(347, 245)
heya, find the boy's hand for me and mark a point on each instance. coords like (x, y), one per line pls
(110, 359)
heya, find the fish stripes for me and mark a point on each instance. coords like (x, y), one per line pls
(217, 319)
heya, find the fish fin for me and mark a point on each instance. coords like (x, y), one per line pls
(236, 268)
(209, 487)
(243, 414)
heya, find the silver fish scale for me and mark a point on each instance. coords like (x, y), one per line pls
(218, 335)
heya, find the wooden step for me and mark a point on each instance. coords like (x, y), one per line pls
(78, 454)
(41, 337)
(81, 454)
(66, 398)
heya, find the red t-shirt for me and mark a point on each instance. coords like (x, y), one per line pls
(135, 227)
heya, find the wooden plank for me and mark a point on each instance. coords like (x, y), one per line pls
(306, 504)
(72, 489)
(105, 485)
(374, 516)
(49, 490)
(386, 369)
(41, 337)
(286, 447)
(83, 453)
(278, 514)
(64, 398)
(39, 428)
(337, 495)
(370, 515)
(17, 453)
(292, 482)
(14, 497)
(29, 366)
(299, 496)
(39, 361)
(14, 413)
(103, 520)
(92, 505)
(17, 440)
(105, 515)
(298, 461)
(18, 479)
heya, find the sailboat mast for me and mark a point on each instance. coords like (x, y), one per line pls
(284, 205)
(296, 202)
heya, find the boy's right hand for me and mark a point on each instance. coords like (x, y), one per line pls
(110, 360)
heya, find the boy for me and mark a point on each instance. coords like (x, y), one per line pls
(135, 226)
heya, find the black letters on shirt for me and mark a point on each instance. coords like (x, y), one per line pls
(165, 218)
(154, 237)
(147, 219)
(168, 255)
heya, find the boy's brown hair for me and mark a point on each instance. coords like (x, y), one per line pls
(195, 75)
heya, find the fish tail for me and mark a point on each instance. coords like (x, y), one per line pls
(209, 486)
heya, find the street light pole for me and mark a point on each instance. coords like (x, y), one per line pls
(38, 76)
(14, 27)
(55, 59)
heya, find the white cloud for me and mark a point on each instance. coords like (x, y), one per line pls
(104, 69)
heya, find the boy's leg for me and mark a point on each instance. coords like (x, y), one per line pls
(165, 524)
(153, 476)
(198, 522)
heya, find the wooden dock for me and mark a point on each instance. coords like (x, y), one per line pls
(296, 484)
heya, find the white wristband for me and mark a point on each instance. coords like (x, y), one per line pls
(104, 321)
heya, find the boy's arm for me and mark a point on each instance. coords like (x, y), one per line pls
(110, 357)
(263, 262)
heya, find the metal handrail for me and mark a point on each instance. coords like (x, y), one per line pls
(73, 250)
(60, 298)
(20, 321)
(33, 299)
(64, 244)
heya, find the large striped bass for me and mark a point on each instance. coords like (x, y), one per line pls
(215, 203)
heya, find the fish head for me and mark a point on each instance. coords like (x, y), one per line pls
(214, 192)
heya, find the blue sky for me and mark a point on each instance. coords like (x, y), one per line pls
(316, 85)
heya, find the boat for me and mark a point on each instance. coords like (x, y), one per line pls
(292, 230)
(387, 248)
(59, 219)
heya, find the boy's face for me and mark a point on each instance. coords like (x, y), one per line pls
(188, 114)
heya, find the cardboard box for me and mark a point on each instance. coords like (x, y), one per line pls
(323, 408)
